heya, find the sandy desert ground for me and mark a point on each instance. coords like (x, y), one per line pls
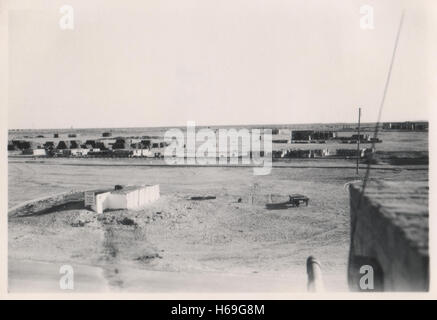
(178, 244)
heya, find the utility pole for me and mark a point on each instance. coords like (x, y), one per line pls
(358, 139)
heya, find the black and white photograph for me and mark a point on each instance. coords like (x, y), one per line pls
(218, 147)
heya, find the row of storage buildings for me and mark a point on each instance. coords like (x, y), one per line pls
(406, 126)
(105, 147)
(320, 153)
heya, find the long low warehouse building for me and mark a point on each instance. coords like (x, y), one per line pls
(131, 198)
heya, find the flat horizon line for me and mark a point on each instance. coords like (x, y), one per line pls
(216, 125)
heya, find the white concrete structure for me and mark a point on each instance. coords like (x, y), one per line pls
(39, 152)
(131, 198)
(136, 153)
(79, 152)
(95, 199)
(82, 152)
(142, 153)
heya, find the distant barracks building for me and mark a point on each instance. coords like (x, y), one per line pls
(410, 126)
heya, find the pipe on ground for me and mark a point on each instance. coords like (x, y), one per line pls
(314, 272)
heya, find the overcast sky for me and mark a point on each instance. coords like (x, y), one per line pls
(161, 62)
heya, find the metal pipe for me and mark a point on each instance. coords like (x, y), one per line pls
(314, 272)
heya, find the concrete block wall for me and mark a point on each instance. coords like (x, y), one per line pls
(389, 231)
(102, 202)
(133, 197)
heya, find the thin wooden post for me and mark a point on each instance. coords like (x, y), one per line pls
(358, 139)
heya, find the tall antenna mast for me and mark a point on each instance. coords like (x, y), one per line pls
(375, 134)
(387, 81)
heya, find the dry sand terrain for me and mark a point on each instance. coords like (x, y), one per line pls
(178, 244)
